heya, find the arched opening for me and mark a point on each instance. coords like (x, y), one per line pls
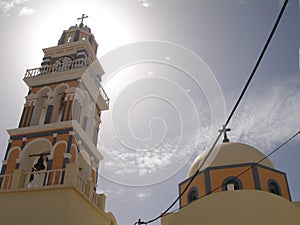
(34, 160)
(232, 183)
(193, 194)
(274, 187)
(40, 108)
(59, 103)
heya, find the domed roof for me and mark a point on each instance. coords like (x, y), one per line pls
(229, 153)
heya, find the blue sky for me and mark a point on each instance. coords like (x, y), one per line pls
(223, 37)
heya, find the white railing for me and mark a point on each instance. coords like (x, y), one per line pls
(103, 94)
(44, 178)
(81, 184)
(5, 181)
(95, 198)
(47, 69)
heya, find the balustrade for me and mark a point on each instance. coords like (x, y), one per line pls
(5, 181)
(49, 69)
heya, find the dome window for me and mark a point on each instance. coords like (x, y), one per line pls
(232, 183)
(193, 194)
(274, 187)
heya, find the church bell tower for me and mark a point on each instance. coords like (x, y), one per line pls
(49, 171)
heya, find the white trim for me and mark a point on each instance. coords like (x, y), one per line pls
(55, 146)
(68, 155)
(40, 128)
(4, 162)
(72, 48)
(85, 139)
(43, 89)
(13, 149)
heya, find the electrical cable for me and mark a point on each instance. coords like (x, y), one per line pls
(230, 115)
(244, 171)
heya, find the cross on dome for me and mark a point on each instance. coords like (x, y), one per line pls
(82, 18)
(225, 130)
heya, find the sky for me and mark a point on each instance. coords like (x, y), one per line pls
(173, 71)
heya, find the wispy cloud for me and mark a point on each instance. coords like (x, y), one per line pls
(143, 195)
(109, 192)
(145, 3)
(269, 117)
(148, 165)
(7, 7)
(26, 11)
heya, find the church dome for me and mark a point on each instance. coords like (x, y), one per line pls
(229, 153)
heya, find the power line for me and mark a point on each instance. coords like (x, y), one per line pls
(246, 170)
(230, 115)
(257, 62)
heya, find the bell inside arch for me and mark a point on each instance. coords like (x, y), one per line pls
(40, 164)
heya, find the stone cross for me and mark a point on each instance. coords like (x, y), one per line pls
(82, 18)
(225, 130)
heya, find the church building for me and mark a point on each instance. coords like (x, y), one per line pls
(237, 184)
(50, 170)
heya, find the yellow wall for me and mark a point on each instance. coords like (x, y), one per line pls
(59, 206)
(246, 207)
(217, 176)
(197, 182)
(265, 175)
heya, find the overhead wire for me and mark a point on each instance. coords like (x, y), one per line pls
(230, 115)
(246, 170)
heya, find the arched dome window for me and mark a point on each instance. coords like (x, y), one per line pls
(231, 183)
(193, 194)
(274, 187)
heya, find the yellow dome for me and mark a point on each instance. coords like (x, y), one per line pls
(230, 153)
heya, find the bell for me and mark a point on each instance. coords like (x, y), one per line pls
(40, 164)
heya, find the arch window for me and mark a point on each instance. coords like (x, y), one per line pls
(40, 108)
(274, 187)
(59, 103)
(193, 194)
(232, 183)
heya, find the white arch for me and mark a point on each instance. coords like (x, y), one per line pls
(54, 147)
(61, 85)
(76, 151)
(40, 108)
(11, 149)
(58, 101)
(34, 147)
(43, 90)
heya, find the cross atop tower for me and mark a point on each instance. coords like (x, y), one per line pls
(225, 130)
(82, 18)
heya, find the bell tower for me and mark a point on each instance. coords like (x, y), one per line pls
(52, 155)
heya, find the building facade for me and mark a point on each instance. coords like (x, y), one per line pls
(50, 170)
(237, 184)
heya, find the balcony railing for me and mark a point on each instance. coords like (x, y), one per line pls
(44, 178)
(5, 181)
(103, 94)
(48, 69)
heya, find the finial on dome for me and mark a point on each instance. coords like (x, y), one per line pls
(82, 18)
(225, 130)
